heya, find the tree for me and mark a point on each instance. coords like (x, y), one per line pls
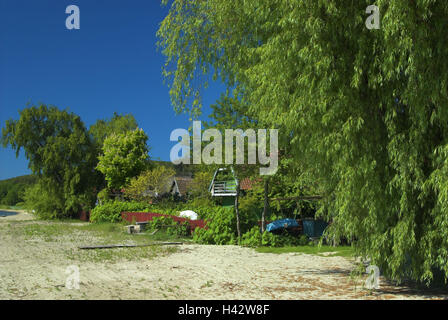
(200, 184)
(364, 109)
(117, 124)
(60, 154)
(150, 183)
(125, 156)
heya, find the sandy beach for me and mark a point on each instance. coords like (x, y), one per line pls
(35, 257)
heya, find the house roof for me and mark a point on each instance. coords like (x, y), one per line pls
(249, 183)
(182, 185)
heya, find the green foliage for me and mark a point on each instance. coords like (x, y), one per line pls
(45, 205)
(111, 211)
(118, 124)
(363, 112)
(103, 196)
(251, 204)
(283, 240)
(252, 238)
(150, 183)
(124, 156)
(11, 190)
(201, 182)
(60, 154)
(170, 226)
(221, 228)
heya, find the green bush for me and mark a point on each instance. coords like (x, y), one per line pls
(111, 211)
(252, 238)
(221, 228)
(170, 226)
(42, 203)
(284, 239)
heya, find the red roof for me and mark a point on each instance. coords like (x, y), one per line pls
(248, 183)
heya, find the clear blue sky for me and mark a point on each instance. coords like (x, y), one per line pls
(110, 64)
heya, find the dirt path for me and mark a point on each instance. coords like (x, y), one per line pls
(32, 267)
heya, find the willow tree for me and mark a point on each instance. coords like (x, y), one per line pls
(60, 154)
(365, 109)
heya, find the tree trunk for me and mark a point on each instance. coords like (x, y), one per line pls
(237, 212)
(266, 205)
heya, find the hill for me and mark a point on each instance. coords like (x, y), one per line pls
(11, 189)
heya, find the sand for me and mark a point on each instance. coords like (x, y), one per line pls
(32, 268)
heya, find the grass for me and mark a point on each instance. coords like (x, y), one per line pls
(66, 236)
(341, 251)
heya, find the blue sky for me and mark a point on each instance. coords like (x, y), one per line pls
(110, 64)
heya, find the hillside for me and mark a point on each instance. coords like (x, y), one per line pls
(11, 189)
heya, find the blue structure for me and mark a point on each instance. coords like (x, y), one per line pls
(314, 228)
(282, 224)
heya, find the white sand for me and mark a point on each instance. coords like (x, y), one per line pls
(36, 269)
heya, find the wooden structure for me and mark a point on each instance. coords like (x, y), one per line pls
(224, 187)
(181, 185)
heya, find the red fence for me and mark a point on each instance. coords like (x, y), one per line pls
(147, 216)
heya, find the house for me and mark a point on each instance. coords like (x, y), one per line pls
(180, 185)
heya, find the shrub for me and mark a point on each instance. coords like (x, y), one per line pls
(283, 239)
(172, 227)
(111, 211)
(221, 228)
(252, 238)
(43, 203)
(269, 239)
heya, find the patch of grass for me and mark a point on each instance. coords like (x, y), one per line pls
(117, 254)
(75, 234)
(208, 284)
(342, 251)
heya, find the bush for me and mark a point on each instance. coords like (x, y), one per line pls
(221, 228)
(44, 204)
(252, 238)
(282, 240)
(173, 228)
(111, 211)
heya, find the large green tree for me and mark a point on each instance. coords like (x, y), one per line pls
(365, 109)
(60, 154)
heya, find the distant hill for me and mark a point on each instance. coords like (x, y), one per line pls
(11, 189)
(20, 179)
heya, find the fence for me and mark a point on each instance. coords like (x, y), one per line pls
(148, 216)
